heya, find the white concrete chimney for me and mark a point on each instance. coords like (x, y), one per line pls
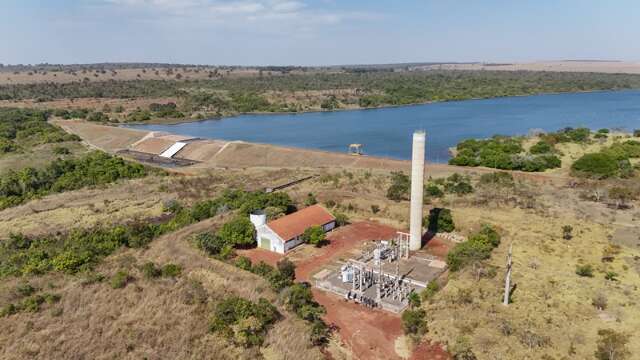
(417, 189)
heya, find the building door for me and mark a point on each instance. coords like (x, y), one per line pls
(265, 243)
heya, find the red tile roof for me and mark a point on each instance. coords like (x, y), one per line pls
(292, 225)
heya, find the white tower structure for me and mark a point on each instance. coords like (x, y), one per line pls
(417, 183)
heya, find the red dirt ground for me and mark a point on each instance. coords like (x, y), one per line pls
(370, 334)
(256, 255)
(429, 351)
(437, 247)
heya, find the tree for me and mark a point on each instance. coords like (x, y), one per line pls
(414, 322)
(287, 268)
(596, 165)
(440, 220)
(314, 235)
(612, 345)
(399, 188)
(433, 190)
(238, 232)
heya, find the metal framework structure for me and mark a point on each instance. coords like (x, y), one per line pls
(368, 272)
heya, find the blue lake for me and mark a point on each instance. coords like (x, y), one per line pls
(387, 132)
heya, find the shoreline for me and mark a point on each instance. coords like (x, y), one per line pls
(390, 106)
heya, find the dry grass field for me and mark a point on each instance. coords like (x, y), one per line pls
(139, 73)
(612, 67)
(154, 319)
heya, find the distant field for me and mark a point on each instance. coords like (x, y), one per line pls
(609, 67)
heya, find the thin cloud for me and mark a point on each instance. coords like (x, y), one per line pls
(288, 12)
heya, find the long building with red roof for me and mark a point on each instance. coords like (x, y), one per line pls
(285, 233)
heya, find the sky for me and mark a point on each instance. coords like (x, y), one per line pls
(316, 32)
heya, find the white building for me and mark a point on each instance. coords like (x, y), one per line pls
(285, 233)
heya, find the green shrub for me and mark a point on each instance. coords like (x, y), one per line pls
(95, 168)
(458, 184)
(477, 248)
(584, 270)
(501, 178)
(541, 147)
(25, 289)
(120, 279)
(210, 243)
(440, 220)
(433, 190)
(597, 165)
(61, 150)
(243, 263)
(243, 321)
(414, 300)
(310, 200)
(150, 270)
(399, 188)
(299, 299)
(287, 268)
(314, 235)
(414, 322)
(238, 232)
(341, 219)
(430, 291)
(8, 310)
(171, 270)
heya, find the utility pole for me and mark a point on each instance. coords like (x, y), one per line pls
(507, 280)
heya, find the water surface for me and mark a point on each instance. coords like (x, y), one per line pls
(387, 132)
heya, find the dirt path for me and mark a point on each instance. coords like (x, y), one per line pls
(370, 333)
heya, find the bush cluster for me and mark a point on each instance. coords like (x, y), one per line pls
(244, 322)
(613, 161)
(297, 296)
(29, 303)
(22, 129)
(314, 235)
(92, 169)
(414, 322)
(501, 152)
(478, 247)
(81, 249)
(400, 185)
(151, 271)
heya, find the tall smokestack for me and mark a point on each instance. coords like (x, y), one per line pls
(417, 183)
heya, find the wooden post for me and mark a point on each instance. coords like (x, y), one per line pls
(507, 280)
